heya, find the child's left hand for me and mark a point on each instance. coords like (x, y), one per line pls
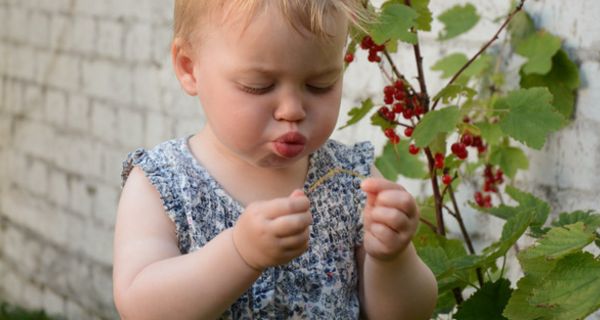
(390, 218)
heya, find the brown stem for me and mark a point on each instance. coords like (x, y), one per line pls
(427, 223)
(441, 230)
(463, 230)
(518, 8)
(421, 75)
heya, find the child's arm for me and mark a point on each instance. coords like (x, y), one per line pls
(394, 282)
(152, 280)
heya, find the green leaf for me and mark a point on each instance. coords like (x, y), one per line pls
(528, 116)
(357, 113)
(481, 64)
(457, 20)
(512, 230)
(520, 27)
(450, 64)
(510, 159)
(489, 300)
(452, 91)
(424, 18)
(529, 202)
(518, 307)
(559, 242)
(588, 218)
(538, 48)
(562, 80)
(436, 259)
(378, 121)
(435, 122)
(570, 290)
(394, 23)
(491, 133)
(396, 160)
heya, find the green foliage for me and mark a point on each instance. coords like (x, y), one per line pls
(489, 300)
(527, 116)
(395, 160)
(561, 280)
(435, 122)
(458, 20)
(356, 114)
(394, 24)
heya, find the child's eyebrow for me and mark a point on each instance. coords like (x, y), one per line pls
(269, 72)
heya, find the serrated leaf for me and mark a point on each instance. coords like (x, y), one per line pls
(436, 259)
(435, 122)
(396, 160)
(452, 91)
(394, 23)
(513, 229)
(528, 116)
(489, 300)
(521, 26)
(570, 290)
(357, 113)
(482, 63)
(424, 18)
(457, 20)
(491, 133)
(450, 64)
(559, 242)
(562, 80)
(528, 201)
(518, 307)
(590, 219)
(378, 121)
(538, 48)
(510, 159)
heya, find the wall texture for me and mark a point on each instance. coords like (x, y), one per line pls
(84, 82)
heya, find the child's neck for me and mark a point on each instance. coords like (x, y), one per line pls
(247, 183)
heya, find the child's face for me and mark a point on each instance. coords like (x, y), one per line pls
(271, 96)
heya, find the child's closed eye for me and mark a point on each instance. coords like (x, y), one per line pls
(262, 90)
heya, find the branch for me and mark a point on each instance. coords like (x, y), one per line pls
(421, 75)
(494, 38)
(441, 230)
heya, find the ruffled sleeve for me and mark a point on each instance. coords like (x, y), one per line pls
(156, 168)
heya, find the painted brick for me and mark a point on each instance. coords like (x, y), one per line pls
(130, 127)
(58, 188)
(104, 122)
(55, 111)
(110, 38)
(80, 198)
(39, 22)
(60, 70)
(19, 63)
(18, 26)
(104, 79)
(138, 42)
(105, 204)
(84, 34)
(146, 87)
(52, 303)
(589, 94)
(158, 128)
(78, 115)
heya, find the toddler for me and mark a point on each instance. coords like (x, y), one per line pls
(259, 215)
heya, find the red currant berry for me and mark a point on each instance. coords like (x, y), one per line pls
(439, 161)
(477, 141)
(379, 47)
(482, 149)
(408, 132)
(389, 90)
(466, 119)
(395, 139)
(349, 57)
(413, 149)
(399, 85)
(398, 107)
(467, 139)
(407, 113)
(399, 95)
(419, 110)
(367, 42)
(479, 198)
(389, 132)
(446, 179)
(388, 99)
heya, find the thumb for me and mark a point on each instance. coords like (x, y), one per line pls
(297, 193)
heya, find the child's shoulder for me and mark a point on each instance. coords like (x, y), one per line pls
(160, 157)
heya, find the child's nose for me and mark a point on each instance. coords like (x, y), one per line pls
(290, 108)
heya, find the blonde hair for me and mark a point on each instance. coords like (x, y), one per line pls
(310, 15)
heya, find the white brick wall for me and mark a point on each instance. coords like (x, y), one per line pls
(82, 83)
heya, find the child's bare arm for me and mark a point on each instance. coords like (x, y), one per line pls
(152, 280)
(394, 283)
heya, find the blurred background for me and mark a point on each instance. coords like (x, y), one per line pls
(84, 82)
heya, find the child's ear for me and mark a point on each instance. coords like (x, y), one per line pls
(183, 64)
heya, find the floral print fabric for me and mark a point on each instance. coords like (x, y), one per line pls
(322, 283)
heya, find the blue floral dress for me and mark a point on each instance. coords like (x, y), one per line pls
(322, 283)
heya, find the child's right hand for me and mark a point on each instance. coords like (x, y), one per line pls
(273, 232)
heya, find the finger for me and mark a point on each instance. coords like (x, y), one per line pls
(291, 224)
(296, 241)
(398, 199)
(275, 208)
(378, 245)
(376, 185)
(297, 193)
(390, 217)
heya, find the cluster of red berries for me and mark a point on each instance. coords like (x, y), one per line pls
(398, 101)
(491, 181)
(367, 43)
(467, 140)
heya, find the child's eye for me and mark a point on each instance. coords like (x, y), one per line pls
(317, 89)
(253, 90)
